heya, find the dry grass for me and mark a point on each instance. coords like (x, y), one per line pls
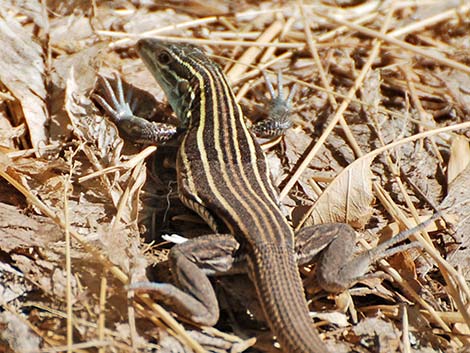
(380, 142)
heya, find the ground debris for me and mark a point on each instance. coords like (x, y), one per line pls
(380, 141)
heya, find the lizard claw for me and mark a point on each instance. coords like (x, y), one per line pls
(279, 110)
(120, 108)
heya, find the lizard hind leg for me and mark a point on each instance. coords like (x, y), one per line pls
(192, 296)
(333, 244)
(339, 266)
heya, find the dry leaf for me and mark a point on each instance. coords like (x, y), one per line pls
(459, 157)
(17, 334)
(457, 203)
(404, 264)
(90, 127)
(16, 229)
(22, 73)
(348, 198)
(337, 318)
(385, 332)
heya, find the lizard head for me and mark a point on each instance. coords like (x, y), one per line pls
(177, 68)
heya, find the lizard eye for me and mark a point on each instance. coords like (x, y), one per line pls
(164, 58)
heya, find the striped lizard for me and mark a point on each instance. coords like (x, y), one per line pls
(223, 176)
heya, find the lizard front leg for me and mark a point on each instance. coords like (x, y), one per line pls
(279, 108)
(192, 296)
(134, 128)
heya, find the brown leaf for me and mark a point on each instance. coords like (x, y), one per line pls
(459, 157)
(22, 72)
(457, 202)
(91, 127)
(348, 198)
(404, 264)
(16, 229)
(17, 335)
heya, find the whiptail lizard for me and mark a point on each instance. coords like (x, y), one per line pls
(223, 176)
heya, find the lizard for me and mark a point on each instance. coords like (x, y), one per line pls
(223, 176)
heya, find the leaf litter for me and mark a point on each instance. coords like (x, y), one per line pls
(380, 140)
